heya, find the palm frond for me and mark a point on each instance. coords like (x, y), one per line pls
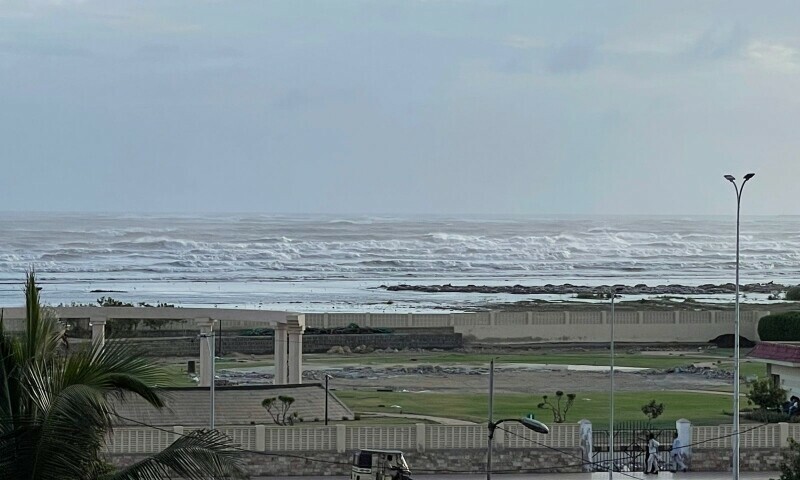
(199, 455)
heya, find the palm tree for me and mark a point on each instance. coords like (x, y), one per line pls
(56, 409)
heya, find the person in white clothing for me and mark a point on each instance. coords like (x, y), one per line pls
(676, 453)
(652, 455)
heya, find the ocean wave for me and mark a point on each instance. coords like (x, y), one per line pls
(253, 246)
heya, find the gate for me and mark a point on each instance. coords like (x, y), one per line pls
(630, 447)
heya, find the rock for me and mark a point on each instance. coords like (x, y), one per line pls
(336, 350)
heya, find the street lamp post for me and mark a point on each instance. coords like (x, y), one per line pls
(327, 377)
(210, 345)
(528, 423)
(736, 372)
(611, 413)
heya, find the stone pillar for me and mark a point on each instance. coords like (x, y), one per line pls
(281, 376)
(206, 328)
(420, 434)
(261, 438)
(177, 432)
(98, 330)
(295, 326)
(341, 438)
(586, 445)
(684, 428)
(500, 438)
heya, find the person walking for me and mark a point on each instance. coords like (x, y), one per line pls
(676, 453)
(652, 455)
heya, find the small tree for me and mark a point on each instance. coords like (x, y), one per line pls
(560, 408)
(766, 394)
(790, 470)
(278, 409)
(653, 410)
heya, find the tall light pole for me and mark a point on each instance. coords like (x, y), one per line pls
(528, 423)
(327, 377)
(210, 345)
(611, 415)
(736, 442)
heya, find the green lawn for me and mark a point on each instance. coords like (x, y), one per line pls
(598, 358)
(700, 408)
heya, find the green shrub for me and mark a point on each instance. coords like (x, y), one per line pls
(793, 294)
(768, 416)
(766, 394)
(781, 327)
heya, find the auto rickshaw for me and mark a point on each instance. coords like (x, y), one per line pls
(379, 465)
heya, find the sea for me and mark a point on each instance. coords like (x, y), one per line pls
(315, 263)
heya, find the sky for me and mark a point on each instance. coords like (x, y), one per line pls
(408, 106)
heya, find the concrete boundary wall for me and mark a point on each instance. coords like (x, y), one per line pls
(421, 437)
(563, 326)
(341, 438)
(534, 326)
(441, 447)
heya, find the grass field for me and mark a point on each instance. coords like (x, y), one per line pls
(702, 409)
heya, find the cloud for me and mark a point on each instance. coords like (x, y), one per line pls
(523, 42)
(773, 56)
(718, 43)
(574, 56)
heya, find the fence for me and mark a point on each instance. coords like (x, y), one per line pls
(341, 438)
(421, 437)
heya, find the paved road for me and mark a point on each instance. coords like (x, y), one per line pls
(574, 476)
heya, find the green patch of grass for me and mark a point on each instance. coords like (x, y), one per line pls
(700, 408)
(178, 376)
(621, 359)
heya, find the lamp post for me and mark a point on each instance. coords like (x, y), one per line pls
(327, 377)
(611, 371)
(528, 423)
(210, 345)
(736, 442)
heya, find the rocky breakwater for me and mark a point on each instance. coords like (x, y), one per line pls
(707, 372)
(599, 291)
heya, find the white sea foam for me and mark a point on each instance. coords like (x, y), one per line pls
(236, 249)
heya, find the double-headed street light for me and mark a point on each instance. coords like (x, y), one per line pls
(736, 442)
(528, 423)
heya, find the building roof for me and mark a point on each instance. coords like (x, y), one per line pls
(776, 352)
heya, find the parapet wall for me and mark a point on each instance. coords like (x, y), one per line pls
(442, 448)
(189, 346)
(679, 326)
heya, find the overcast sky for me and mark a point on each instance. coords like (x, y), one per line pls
(412, 106)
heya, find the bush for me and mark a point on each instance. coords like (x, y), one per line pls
(790, 468)
(793, 293)
(768, 416)
(766, 394)
(559, 409)
(653, 410)
(781, 327)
